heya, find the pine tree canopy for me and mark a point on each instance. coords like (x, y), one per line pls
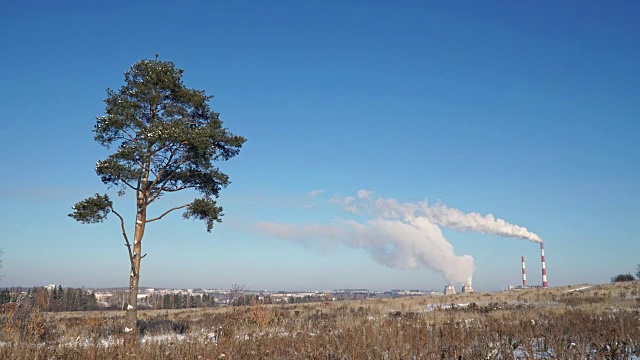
(92, 210)
(166, 139)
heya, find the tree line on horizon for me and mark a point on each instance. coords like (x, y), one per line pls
(57, 299)
(79, 299)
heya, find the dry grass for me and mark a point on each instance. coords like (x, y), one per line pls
(600, 322)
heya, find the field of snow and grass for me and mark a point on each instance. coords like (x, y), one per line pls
(582, 322)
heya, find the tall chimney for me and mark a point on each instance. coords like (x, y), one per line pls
(524, 274)
(544, 267)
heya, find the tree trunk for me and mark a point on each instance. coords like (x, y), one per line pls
(131, 328)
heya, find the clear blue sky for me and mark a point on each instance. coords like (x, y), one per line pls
(528, 111)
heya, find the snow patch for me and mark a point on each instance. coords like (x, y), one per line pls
(579, 289)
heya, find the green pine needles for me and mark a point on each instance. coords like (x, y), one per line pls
(92, 210)
(167, 139)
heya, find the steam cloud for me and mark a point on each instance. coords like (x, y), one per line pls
(400, 235)
(457, 220)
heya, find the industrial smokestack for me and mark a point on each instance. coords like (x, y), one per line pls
(544, 267)
(467, 289)
(524, 274)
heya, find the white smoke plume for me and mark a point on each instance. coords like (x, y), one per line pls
(455, 219)
(400, 235)
(402, 245)
(438, 214)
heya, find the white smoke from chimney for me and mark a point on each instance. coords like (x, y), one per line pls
(455, 219)
(400, 235)
(439, 214)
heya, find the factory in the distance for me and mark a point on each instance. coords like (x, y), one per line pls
(451, 290)
(544, 270)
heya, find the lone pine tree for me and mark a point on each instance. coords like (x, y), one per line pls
(166, 139)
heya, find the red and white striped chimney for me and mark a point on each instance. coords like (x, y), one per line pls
(524, 274)
(544, 267)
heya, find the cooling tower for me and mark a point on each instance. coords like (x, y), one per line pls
(449, 290)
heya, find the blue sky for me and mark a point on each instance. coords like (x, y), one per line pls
(528, 111)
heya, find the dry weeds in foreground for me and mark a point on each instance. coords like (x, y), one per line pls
(600, 322)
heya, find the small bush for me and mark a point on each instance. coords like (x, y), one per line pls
(622, 277)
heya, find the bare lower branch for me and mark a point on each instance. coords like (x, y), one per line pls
(129, 185)
(124, 234)
(164, 182)
(154, 174)
(131, 137)
(177, 188)
(168, 211)
(162, 170)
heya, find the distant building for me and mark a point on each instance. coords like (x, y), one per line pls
(449, 290)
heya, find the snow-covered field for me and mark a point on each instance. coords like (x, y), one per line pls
(583, 322)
